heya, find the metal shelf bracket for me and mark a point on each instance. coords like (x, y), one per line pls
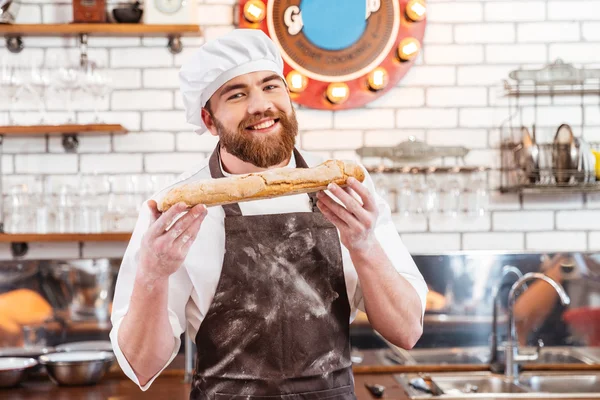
(83, 47)
(175, 44)
(19, 249)
(14, 44)
(70, 142)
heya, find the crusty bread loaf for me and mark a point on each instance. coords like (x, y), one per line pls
(262, 185)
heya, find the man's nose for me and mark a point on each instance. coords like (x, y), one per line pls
(259, 103)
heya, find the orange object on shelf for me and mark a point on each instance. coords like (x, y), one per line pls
(585, 323)
(24, 306)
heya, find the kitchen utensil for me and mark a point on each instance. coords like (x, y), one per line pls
(356, 356)
(8, 11)
(565, 154)
(425, 384)
(129, 14)
(597, 163)
(586, 162)
(376, 390)
(14, 369)
(89, 10)
(527, 156)
(77, 367)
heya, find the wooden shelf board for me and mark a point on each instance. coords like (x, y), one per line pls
(61, 129)
(98, 29)
(65, 237)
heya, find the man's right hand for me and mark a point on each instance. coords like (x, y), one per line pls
(163, 252)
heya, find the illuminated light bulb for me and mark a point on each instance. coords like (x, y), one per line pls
(296, 81)
(408, 49)
(415, 10)
(378, 78)
(338, 92)
(254, 11)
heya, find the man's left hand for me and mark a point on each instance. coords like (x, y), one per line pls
(355, 221)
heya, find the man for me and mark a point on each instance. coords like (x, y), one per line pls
(268, 287)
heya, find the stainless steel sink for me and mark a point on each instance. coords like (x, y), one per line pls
(562, 356)
(481, 384)
(531, 385)
(450, 356)
(460, 386)
(562, 383)
(478, 356)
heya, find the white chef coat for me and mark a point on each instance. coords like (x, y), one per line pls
(192, 287)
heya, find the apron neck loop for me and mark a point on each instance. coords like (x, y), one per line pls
(233, 210)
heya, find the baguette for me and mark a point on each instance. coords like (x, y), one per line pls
(262, 185)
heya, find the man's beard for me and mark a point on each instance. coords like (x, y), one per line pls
(261, 150)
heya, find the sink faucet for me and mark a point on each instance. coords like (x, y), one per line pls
(507, 269)
(513, 357)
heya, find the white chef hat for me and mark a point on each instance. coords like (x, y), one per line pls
(218, 61)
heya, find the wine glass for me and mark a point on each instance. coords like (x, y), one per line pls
(97, 84)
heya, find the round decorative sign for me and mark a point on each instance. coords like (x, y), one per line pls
(340, 54)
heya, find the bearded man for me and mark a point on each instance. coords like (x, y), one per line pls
(267, 288)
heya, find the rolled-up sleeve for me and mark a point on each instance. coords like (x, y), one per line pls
(389, 238)
(180, 288)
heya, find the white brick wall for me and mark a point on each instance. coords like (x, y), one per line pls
(591, 31)
(427, 118)
(456, 97)
(453, 54)
(494, 241)
(519, 53)
(548, 31)
(363, 119)
(556, 241)
(577, 220)
(515, 11)
(334, 139)
(448, 98)
(523, 221)
(112, 163)
(429, 76)
(484, 33)
(46, 164)
(455, 11)
(573, 10)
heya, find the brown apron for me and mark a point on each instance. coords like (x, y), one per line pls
(278, 326)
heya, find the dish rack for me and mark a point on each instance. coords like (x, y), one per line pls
(565, 163)
(546, 178)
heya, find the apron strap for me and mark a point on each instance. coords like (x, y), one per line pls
(233, 210)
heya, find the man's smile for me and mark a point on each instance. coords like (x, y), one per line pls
(264, 125)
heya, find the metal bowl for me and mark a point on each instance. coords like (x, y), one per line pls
(90, 345)
(76, 368)
(27, 351)
(14, 369)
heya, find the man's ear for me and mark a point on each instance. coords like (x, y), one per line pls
(209, 122)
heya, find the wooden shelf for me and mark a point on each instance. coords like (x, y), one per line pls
(99, 30)
(32, 130)
(65, 237)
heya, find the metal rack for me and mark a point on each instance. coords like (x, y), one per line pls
(463, 169)
(532, 166)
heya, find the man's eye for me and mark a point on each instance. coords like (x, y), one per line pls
(271, 87)
(235, 96)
